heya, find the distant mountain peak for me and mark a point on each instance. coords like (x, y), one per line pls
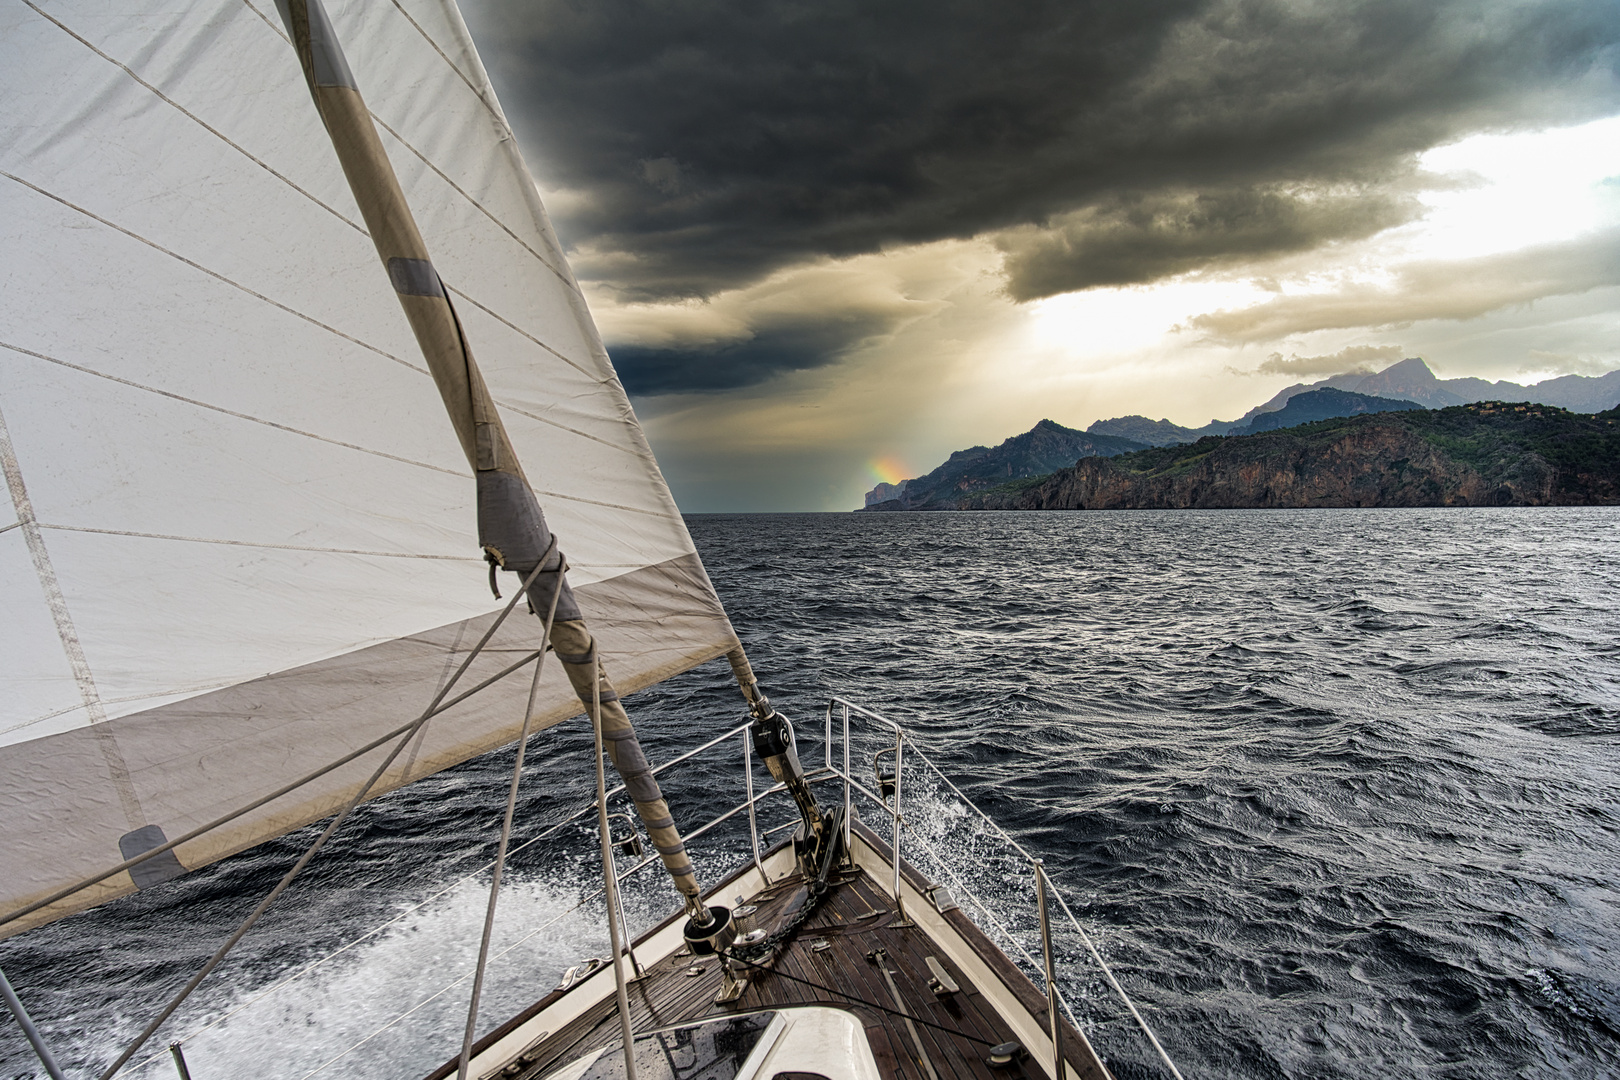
(1328, 403)
(1156, 432)
(1040, 451)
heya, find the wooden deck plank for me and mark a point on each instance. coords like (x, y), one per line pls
(955, 1032)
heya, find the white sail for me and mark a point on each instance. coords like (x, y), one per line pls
(240, 540)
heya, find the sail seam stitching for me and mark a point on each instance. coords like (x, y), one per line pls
(589, 374)
(215, 274)
(199, 689)
(508, 406)
(598, 502)
(539, 218)
(452, 65)
(48, 581)
(307, 318)
(474, 203)
(229, 412)
(507, 134)
(568, 282)
(260, 544)
(356, 226)
(199, 121)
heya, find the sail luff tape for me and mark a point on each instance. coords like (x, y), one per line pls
(392, 227)
(740, 667)
(510, 519)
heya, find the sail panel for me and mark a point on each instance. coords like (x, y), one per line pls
(189, 762)
(259, 524)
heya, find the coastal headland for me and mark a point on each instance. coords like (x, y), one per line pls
(1481, 454)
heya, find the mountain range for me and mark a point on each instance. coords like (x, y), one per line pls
(1049, 446)
(1481, 454)
(1409, 380)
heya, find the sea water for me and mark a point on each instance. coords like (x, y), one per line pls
(1333, 792)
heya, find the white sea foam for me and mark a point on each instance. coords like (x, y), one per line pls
(402, 994)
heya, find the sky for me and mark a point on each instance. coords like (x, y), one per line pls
(828, 243)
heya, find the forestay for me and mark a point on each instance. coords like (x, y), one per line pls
(240, 538)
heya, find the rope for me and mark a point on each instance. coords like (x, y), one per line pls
(506, 824)
(320, 841)
(862, 1001)
(610, 885)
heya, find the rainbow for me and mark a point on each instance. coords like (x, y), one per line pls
(888, 469)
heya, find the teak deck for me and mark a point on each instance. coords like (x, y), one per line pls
(956, 1030)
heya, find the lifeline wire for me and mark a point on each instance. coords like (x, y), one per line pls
(1007, 934)
(320, 841)
(1095, 955)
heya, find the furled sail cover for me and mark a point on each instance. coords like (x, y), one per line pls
(240, 536)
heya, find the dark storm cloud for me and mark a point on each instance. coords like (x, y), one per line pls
(702, 145)
(1449, 289)
(1139, 238)
(785, 345)
(717, 141)
(1354, 359)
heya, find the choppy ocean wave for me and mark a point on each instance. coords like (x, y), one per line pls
(1333, 791)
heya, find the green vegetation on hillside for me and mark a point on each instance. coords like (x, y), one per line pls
(1514, 443)
(1490, 436)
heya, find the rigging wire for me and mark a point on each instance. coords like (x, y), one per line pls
(379, 928)
(320, 841)
(610, 883)
(447, 987)
(584, 809)
(62, 894)
(506, 825)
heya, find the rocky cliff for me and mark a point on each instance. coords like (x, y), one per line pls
(1487, 454)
